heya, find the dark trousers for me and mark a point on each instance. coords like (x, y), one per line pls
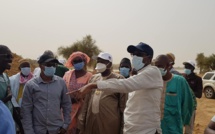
(18, 122)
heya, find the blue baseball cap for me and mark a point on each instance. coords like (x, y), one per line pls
(143, 47)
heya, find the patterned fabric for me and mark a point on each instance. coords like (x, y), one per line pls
(74, 83)
(23, 80)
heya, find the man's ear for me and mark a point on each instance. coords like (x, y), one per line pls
(109, 65)
(41, 67)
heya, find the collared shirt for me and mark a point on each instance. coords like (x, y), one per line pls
(7, 125)
(142, 112)
(41, 106)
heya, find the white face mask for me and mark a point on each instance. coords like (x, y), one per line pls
(137, 62)
(100, 67)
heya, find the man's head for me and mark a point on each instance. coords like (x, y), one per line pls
(142, 55)
(5, 58)
(48, 64)
(24, 67)
(171, 57)
(163, 64)
(104, 62)
(189, 67)
(125, 67)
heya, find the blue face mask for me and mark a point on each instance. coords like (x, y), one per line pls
(187, 71)
(79, 66)
(137, 62)
(49, 71)
(163, 71)
(25, 70)
(124, 71)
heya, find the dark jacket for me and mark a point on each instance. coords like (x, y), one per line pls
(195, 83)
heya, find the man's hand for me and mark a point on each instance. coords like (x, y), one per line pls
(61, 131)
(7, 98)
(84, 90)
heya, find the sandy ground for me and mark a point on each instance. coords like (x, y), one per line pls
(205, 111)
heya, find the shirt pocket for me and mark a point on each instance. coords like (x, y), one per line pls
(171, 102)
(36, 94)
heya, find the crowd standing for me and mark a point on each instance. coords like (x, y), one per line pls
(146, 97)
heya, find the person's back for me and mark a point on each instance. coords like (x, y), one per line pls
(61, 70)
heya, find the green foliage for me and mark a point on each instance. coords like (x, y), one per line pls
(86, 45)
(205, 63)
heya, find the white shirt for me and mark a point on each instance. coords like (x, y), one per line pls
(142, 113)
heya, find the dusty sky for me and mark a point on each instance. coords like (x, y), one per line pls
(183, 27)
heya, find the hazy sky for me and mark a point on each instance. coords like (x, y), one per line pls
(183, 27)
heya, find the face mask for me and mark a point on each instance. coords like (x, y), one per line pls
(79, 66)
(124, 71)
(187, 71)
(100, 67)
(163, 71)
(137, 62)
(26, 71)
(49, 71)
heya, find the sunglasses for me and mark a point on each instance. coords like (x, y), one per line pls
(139, 54)
(7, 55)
(50, 64)
(77, 61)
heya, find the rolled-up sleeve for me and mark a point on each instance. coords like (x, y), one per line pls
(26, 110)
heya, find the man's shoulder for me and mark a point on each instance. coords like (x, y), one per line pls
(95, 77)
(35, 79)
(58, 78)
(178, 77)
(197, 76)
(15, 75)
(151, 70)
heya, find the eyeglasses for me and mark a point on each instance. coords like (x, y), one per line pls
(7, 55)
(50, 64)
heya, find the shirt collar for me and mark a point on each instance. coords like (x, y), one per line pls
(149, 65)
(40, 80)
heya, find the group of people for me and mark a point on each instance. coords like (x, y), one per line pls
(146, 97)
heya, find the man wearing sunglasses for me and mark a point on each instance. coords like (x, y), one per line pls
(7, 125)
(44, 97)
(142, 113)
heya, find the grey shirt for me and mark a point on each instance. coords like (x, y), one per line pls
(41, 106)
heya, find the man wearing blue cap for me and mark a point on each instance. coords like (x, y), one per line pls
(142, 114)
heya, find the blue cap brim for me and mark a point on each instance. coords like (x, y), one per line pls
(132, 48)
